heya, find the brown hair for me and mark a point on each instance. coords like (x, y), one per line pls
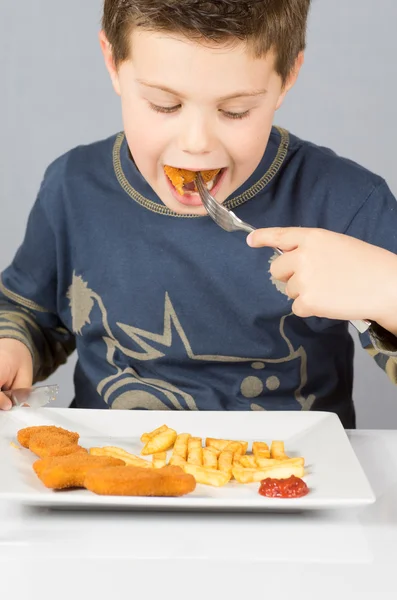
(265, 25)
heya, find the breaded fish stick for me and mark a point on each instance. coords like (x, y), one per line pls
(136, 481)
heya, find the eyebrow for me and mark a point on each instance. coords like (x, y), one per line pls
(168, 90)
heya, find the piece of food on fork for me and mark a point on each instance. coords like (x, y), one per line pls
(184, 180)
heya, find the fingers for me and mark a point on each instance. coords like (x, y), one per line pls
(16, 368)
(23, 379)
(285, 238)
(301, 309)
(5, 403)
(283, 267)
(292, 288)
(5, 384)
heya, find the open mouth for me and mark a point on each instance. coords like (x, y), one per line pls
(184, 181)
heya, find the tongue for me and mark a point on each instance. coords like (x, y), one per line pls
(190, 187)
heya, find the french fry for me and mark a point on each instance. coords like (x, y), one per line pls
(260, 449)
(234, 448)
(225, 462)
(177, 461)
(217, 462)
(248, 461)
(277, 450)
(160, 442)
(210, 458)
(194, 451)
(264, 463)
(115, 452)
(181, 444)
(193, 442)
(280, 471)
(213, 450)
(207, 476)
(159, 460)
(236, 458)
(220, 444)
(244, 446)
(195, 456)
(145, 437)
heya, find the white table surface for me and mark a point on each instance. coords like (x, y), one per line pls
(342, 554)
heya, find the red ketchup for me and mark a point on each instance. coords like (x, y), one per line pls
(293, 487)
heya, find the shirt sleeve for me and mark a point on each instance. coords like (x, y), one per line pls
(376, 223)
(28, 296)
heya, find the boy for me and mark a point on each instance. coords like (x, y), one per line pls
(166, 310)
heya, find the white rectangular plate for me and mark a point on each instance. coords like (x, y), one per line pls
(335, 476)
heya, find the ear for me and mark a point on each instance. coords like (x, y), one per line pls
(109, 62)
(293, 76)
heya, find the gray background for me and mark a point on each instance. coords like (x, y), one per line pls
(55, 94)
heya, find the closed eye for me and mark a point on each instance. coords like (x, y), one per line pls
(164, 109)
(173, 109)
(235, 115)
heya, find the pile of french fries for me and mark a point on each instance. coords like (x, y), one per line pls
(216, 463)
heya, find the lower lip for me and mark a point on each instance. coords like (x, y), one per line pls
(194, 199)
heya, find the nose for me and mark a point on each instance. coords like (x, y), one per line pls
(195, 137)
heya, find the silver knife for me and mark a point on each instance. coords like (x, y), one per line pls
(34, 397)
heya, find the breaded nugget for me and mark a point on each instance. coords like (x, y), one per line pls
(180, 177)
(48, 440)
(24, 435)
(136, 481)
(45, 444)
(61, 472)
(52, 446)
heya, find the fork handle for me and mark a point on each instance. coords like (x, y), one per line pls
(362, 325)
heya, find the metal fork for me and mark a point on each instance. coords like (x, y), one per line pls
(222, 216)
(227, 220)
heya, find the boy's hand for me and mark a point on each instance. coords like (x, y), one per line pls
(333, 276)
(16, 368)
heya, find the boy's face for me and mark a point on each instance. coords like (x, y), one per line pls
(195, 107)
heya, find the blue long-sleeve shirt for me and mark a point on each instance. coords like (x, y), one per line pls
(168, 311)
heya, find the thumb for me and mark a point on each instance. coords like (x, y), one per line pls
(285, 238)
